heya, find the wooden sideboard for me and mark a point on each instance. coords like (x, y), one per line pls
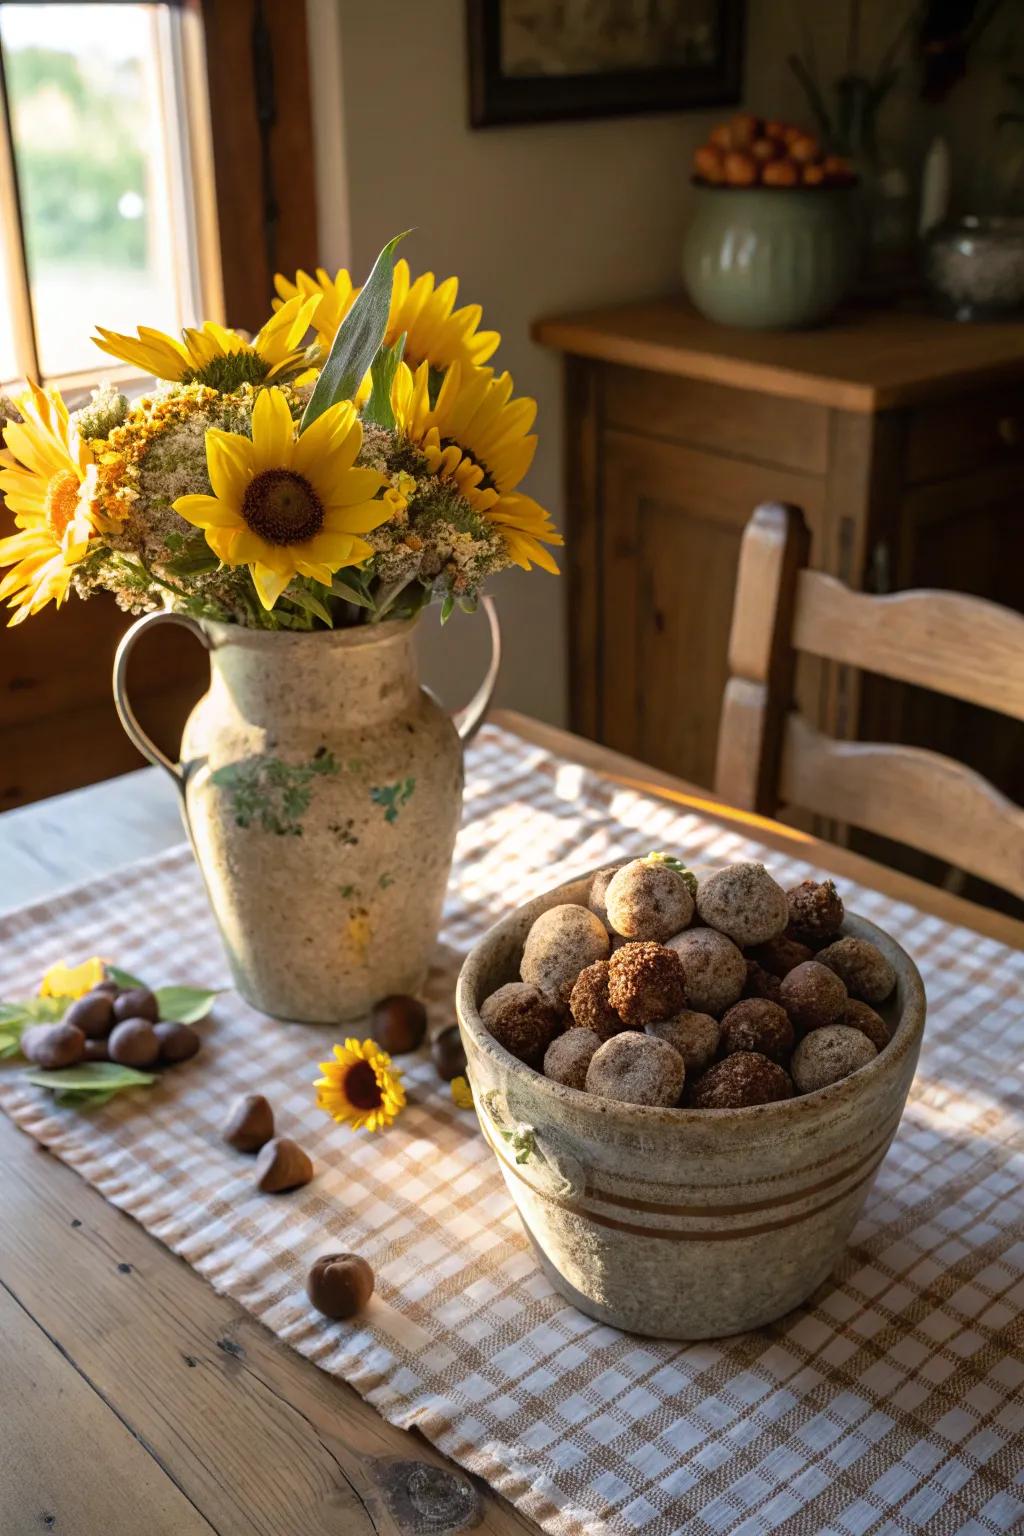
(901, 435)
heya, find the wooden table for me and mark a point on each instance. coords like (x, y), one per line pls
(133, 1397)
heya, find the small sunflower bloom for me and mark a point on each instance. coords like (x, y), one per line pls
(462, 1093)
(63, 980)
(361, 1086)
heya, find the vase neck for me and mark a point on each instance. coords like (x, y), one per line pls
(356, 678)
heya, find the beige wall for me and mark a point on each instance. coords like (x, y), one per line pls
(532, 219)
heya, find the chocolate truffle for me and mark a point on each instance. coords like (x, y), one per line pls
(715, 970)
(826, 1056)
(525, 1022)
(646, 983)
(781, 955)
(756, 1024)
(398, 1024)
(589, 1003)
(858, 1015)
(694, 1035)
(95, 1050)
(250, 1123)
(560, 944)
(448, 1053)
(812, 995)
(566, 1059)
(136, 1003)
(282, 1165)
(340, 1284)
(761, 983)
(177, 1042)
(744, 902)
(739, 1081)
(53, 1046)
(815, 911)
(862, 967)
(93, 1014)
(648, 899)
(598, 892)
(511, 989)
(636, 1069)
(133, 1043)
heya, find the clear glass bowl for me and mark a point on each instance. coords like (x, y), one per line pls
(974, 267)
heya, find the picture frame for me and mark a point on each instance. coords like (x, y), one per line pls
(532, 61)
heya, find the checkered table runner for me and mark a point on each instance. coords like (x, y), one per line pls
(891, 1403)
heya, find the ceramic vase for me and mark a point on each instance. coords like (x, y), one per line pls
(321, 789)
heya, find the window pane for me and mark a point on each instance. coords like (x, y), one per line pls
(8, 361)
(100, 170)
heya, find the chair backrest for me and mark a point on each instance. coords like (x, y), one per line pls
(769, 756)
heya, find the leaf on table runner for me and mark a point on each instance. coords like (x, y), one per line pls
(123, 978)
(10, 1045)
(358, 339)
(17, 1017)
(89, 1077)
(186, 1004)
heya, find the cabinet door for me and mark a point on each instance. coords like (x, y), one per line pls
(672, 520)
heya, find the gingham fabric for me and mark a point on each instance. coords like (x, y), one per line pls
(891, 1403)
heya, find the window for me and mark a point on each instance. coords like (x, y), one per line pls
(106, 183)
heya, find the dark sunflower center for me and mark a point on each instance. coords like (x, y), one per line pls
(488, 482)
(282, 507)
(361, 1086)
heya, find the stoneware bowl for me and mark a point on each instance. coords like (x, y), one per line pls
(681, 1223)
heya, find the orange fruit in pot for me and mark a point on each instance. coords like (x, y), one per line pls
(740, 169)
(721, 137)
(814, 175)
(838, 169)
(744, 129)
(766, 149)
(774, 129)
(780, 173)
(708, 163)
(805, 149)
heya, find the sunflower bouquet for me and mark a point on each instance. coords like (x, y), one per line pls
(354, 459)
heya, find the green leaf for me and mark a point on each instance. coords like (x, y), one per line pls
(447, 608)
(17, 1017)
(10, 1045)
(358, 340)
(90, 1077)
(186, 1004)
(123, 978)
(350, 594)
(382, 371)
(309, 603)
(71, 1098)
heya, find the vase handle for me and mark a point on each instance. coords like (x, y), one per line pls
(126, 714)
(467, 721)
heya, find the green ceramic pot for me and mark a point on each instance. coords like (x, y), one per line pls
(769, 257)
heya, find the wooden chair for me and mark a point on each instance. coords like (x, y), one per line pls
(771, 757)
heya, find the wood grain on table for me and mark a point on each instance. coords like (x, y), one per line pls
(134, 1397)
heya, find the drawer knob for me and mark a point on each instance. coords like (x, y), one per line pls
(1008, 429)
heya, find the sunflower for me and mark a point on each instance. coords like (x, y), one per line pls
(218, 357)
(477, 436)
(435, 331)
(360, 1086)
(286, 505)
(47, 476)
(71, 981)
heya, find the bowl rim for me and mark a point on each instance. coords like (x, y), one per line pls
(905, 1039)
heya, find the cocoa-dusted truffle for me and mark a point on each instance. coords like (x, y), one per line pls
(756, 1024)
(744, 902)
(648, 899)
(525, 1022)
(694, 1035)
(598, 891)
(590, 1005)
(826, 1056)
(812, 995)
(815, 911)
(636, 1069)
(566, 1059)
(53, 1045)
(715, 969)
(561, 942)
(511, 990)
(858, 1015)
(781, 955)
(739, 1081)
(761, 983)
(646, 983)
(862, 967)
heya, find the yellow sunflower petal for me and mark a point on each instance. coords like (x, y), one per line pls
(269, 583)
(229, 460)
(273, 431)
(206, 512)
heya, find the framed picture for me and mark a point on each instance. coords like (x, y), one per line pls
(533, 61)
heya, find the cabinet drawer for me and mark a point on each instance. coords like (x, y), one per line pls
(768, 429)
(971, 432)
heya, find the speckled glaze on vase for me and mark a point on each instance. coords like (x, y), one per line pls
(769, 257)
(680, 1223)
(322, 789)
